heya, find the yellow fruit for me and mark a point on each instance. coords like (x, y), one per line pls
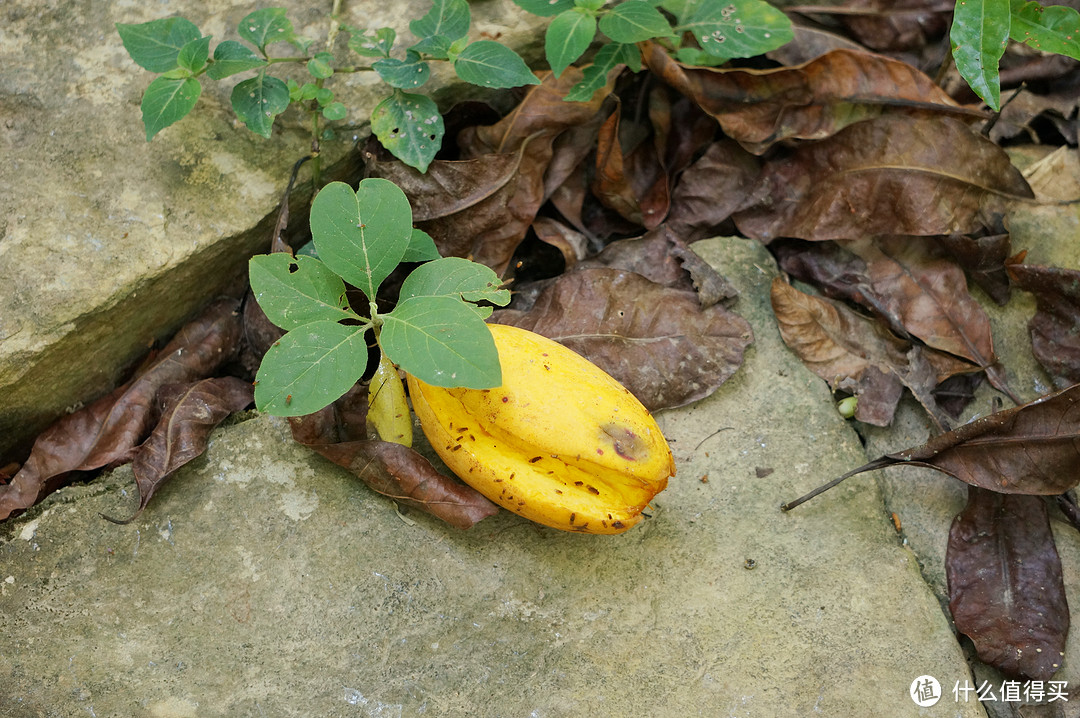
(560, 442)
(388, 410)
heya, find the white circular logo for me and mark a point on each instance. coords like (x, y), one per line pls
(925, 691)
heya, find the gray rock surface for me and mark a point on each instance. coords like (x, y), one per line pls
(264, 581)
(108, 242)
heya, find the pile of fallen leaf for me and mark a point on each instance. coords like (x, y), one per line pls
(875, 186)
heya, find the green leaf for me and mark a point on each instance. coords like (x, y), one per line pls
(230, 58)
(293, 292)
(739, 28)
(442, 341)
(405, 74)
(362, 235)
(699, 58)
(310, 367)
(265, 27)
(258, 101)
(324, 96)
(568, 37)
(303, 44)
(592, 6)
(410, 126)
(421, 247)
(377, 45)
(683, 10)
(979, 33)
(321, 66)
(490, 64)
(155, 45)
(167, 100)
(545, 8)
(193, 55)
(447, 19)
(595, 75)
(458, 278)
(1055, 28)
(335, 111)
(634, 21)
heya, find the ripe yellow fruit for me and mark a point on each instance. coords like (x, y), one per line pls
(560, 442)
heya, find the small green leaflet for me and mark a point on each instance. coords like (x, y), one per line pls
(1054, 28)
(321, 66)
(193, 55)
(979, 33)
(447, 19)
(264, 27)
(592, 6)
(361, 235)
(293, 292)
(545, 8)
(421, 247)
(167, 100)
(155, 45)
(458, 278)
(568, 37)
(739, 28)
(634, 21)
(335, 111)
(258, 101)
(377, 45)
(441, 341)
(405, 74)
(310, 367)
(595, 75)
(489, 64)
(230, 58)
(410, 126)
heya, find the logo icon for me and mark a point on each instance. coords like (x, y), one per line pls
(925, 691)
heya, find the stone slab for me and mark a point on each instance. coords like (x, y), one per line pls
(263, 580)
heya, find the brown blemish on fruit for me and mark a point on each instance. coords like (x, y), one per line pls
(626, 443)
(534, 459)
(593, 490)
(572, 517)
(506, 399)
(617, 524)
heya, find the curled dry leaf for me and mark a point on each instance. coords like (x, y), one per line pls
(854, 354)
(542, 111)
(482, 206)
(1055, 328)
(1006, 591)
(390, 469)
(890, 175)
(908, 285)
(107, 431)
(712, 189)
(633, 184)
(759, 108)
(573, 244)
(1029, 449)
(658, 342)
(189, 413)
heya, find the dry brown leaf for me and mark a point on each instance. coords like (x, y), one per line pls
(759, 108)
(891, 175)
